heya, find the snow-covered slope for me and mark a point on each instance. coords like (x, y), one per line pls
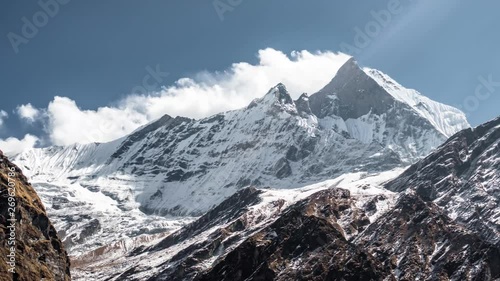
(447, 119)
(183, 167)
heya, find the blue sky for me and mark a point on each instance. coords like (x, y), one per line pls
(95, 54)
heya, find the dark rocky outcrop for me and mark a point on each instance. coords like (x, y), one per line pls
(351, 94)
(303, 107)
(228, 210)
(39, 253)
(305, 243)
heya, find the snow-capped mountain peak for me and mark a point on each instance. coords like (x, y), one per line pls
(278, 97)
(355, 92)
(183, 167)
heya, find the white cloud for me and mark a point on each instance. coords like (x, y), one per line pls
(200, 96)
(210, 93)
(68, 124)
(27, 112)
(12, 146)
(3, 115)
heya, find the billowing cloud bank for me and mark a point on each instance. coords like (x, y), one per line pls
(196, 97)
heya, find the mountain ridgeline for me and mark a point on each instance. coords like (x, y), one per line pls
(200, 198)
(361, 121)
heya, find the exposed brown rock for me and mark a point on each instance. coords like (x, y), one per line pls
(39, 253)
(305, 243)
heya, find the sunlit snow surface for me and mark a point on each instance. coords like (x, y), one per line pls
(445, 118)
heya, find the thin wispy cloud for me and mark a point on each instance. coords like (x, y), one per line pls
(3, 115)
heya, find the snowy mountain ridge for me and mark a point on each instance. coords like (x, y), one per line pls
(182, 167)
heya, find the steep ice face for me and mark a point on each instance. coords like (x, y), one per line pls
(447, 119)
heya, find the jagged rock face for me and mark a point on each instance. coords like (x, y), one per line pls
(233, 210)
(463, 177)
(230, 209)
(183, 167)
(304, 243)
(39, 253)
(351, 94)
(303, 106)
(417, 241)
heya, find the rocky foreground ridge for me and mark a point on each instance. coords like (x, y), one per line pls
(29, 246)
